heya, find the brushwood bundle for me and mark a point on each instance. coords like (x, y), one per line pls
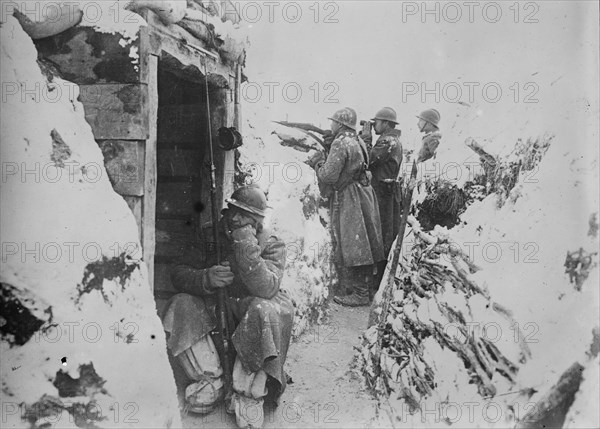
(428, 319)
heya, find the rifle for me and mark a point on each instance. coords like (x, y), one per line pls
(302, 126)
(221, 292)
(307, 129)
(389, 287)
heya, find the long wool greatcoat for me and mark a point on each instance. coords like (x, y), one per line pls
(385, 161)
(354, 212)
(263, 311)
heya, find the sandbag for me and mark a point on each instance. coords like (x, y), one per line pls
(169, 11)
(55, 21)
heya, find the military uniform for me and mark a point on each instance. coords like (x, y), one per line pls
(354, 212)
(385, 161)
(263, 312)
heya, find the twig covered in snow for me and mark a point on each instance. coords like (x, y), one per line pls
(429, 298)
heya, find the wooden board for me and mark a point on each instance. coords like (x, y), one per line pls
(172, 237)
(116, 111)
(178, 199)
(150, 179)
(179, 163)
(125, 163)
(162, 277)
(182, 123)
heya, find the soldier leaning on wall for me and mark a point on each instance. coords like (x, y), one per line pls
(385, 161)
(263, 312)
(355, 219)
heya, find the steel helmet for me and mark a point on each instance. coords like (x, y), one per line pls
(345, 116)
(431, 115)
(386, 114)
(250, 198)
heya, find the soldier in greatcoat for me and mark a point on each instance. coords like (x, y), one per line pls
(355, 219)
(263, 313)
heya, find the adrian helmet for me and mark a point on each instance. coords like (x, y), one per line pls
(345, 116)
(250, 198)
(386, 114)
(431, 115)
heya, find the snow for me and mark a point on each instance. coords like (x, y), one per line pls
(549, 218)
(57, 223)
(112, 17)
(521, 249)
(291, 187)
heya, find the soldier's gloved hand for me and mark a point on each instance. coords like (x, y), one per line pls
(316, 158)
(219, 276)
(243, 233)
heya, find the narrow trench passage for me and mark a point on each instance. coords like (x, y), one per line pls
(327, 392)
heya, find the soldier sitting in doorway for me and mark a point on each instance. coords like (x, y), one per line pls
(251, 274)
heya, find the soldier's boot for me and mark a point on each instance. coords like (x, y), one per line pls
(248, 398)
(353, 300)
(360, 279)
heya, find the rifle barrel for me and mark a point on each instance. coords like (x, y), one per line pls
(221, 293)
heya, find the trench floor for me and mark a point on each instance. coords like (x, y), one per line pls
(326, 390)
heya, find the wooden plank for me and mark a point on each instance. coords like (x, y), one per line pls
(179, 199)
(173, 236)
(185, 122)
(162, 277)
(180, 43)
(125, 160)
(116, 111)
(85, 56)
(179, 163)
(146, 51)
(135, 204)
(149, 207)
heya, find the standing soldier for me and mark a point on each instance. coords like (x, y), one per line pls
(428, 124)
(386, 158)
(354, 212)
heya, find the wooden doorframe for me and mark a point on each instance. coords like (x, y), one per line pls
(149, 204)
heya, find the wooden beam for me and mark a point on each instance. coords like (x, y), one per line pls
(149, 207)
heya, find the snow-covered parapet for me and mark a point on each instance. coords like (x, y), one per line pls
(434, 344)
(206, 21)
(536, 247)
(539, 258)
(219, 27)
(81, 343)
